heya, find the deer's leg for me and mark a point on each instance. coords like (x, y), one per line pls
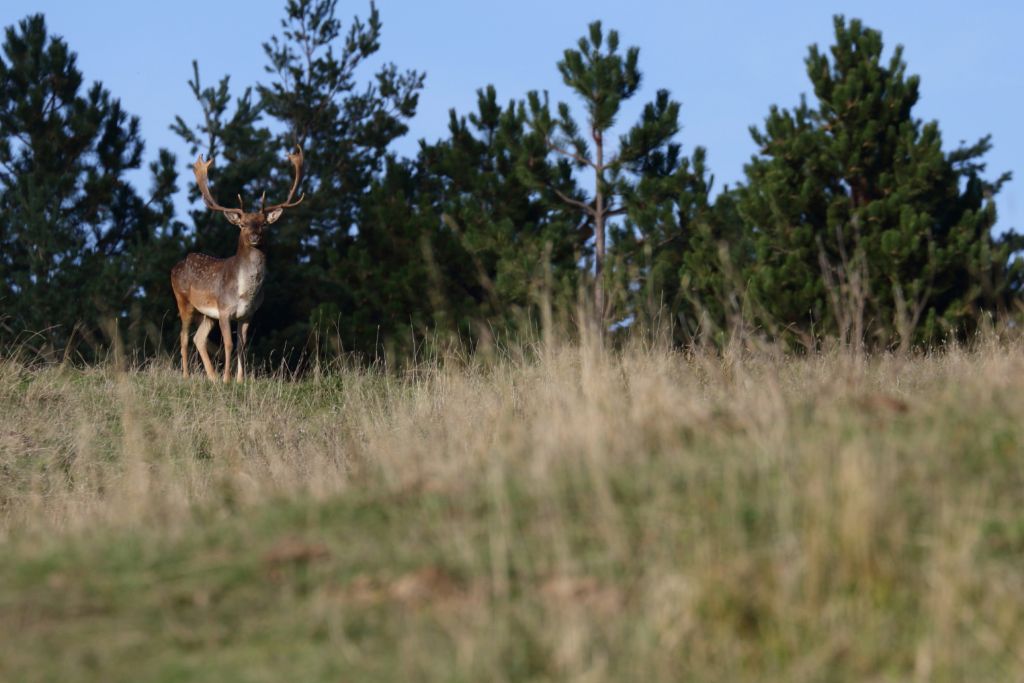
(185, 311)
(186, 326)
(186, 323)
(243, 335)
(225, 333)
(200, 339)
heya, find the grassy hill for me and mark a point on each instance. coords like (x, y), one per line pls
(647, 516)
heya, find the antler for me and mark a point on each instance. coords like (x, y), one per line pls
(201, 168)
(296, 160)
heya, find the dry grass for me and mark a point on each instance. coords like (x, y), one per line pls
(643, 516)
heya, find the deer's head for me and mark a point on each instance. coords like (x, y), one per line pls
(251, 223)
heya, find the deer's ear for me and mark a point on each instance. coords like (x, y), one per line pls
(274, 215)
(234, 216)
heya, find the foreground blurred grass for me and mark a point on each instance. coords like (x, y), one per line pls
(650, 516)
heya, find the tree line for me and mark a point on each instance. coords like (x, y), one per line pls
(852, 223)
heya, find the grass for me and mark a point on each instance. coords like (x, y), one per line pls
(647, 515)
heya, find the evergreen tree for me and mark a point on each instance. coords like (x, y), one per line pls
(509, 251)
(604, 79)
(475, 251)
(347, 128)
(244, 153)
(716, 251)
(390, 273)
(668, 212)
(79, 248)
(863, 226)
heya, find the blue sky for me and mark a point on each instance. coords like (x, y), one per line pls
(727, 62)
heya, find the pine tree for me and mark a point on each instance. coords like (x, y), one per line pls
(510, 252)
(346, 127)
(604, 79)
(393, 296)
(863, 226)
(473, 252)
(716, 252)
(235, 136)
(668, 205)
(79, 248)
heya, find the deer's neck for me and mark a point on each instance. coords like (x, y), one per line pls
(249, 254)
(250, 266)
(247, 275)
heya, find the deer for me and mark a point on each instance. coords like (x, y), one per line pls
(227, 289)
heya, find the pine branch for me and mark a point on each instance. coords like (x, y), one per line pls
(582, 161)
(574, 202)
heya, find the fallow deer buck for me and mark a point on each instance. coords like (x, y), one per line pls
(230, 288)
